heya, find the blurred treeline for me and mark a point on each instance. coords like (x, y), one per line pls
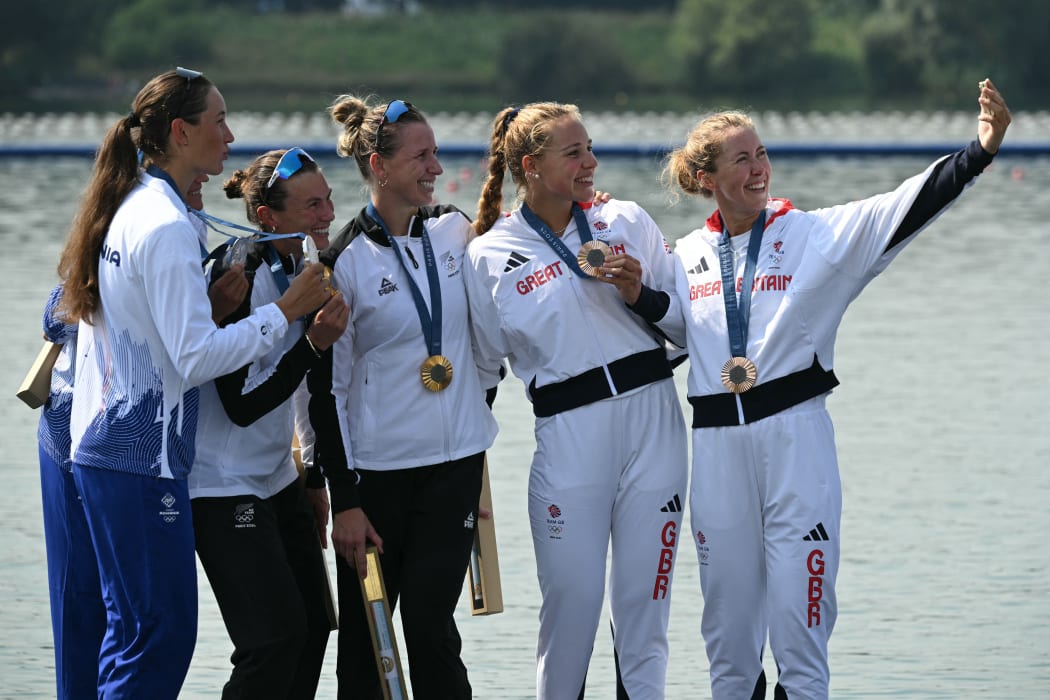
(281, 55)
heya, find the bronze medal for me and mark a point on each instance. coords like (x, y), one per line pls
(436, 372)
(739, 374)
(592, 256)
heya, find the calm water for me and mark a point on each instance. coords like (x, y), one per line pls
(941, 420)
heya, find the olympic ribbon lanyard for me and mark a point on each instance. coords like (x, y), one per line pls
(430, 321)
(738, 317)
(556, 243)
(257, 236)
(213, 222)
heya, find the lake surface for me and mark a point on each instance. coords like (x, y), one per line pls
(941, 418)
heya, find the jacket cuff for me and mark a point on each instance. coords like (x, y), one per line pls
(314, 478)
(343, 493)
(651, 304)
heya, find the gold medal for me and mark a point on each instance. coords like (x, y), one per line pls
(739, 374)
(436, 372)
(592, 256)
(329, 283)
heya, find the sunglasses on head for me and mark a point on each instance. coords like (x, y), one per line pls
(289, 164)
(190, 76)
(394, 111)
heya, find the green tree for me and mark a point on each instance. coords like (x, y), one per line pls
(744, 47)
(936, 50)
(44, 41)
(543, 60)
(178, 32)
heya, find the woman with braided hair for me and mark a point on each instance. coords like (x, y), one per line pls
(569, 294)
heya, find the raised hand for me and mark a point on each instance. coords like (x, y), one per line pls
(994, 117)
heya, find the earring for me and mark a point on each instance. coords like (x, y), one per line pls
(382, 183)
(534, 175)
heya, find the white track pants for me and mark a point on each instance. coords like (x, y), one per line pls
(615, 468)
(766, 504)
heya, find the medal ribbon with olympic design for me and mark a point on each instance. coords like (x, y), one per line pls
(592, 254)
(739, 373)
(436, 370)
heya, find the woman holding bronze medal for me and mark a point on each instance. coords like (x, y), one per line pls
(568, 294)
(406, 401)
(250, 510)
(132, 278)
(765, 286)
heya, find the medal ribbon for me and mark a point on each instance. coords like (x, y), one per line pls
(738, 317)
(556, 243)
(429, 321)
(211, 221)
(256, 236)
(280, 277)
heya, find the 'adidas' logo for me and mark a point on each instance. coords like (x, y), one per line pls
(673, 506)
(469, 522)
(515, 260)
(386, 287)
(702, 267)
(817, 534)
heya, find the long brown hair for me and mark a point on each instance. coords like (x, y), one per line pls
(146, 129)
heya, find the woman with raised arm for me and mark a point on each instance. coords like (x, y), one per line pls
(132, 278)
(403, 441)
(765, 287)
(569, 295)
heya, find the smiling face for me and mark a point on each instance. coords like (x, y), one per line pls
(410, 172)
(195, 197)
(565, 169)
(307, 209)
(210, 137)
(740, 181)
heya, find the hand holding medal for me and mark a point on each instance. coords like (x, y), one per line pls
(623, 272)
(310, 256)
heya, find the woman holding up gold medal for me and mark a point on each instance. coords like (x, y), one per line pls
(568, 294)
(408, 403)
(765, 286)
(250, 510)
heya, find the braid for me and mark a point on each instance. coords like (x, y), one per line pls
(491, 202)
